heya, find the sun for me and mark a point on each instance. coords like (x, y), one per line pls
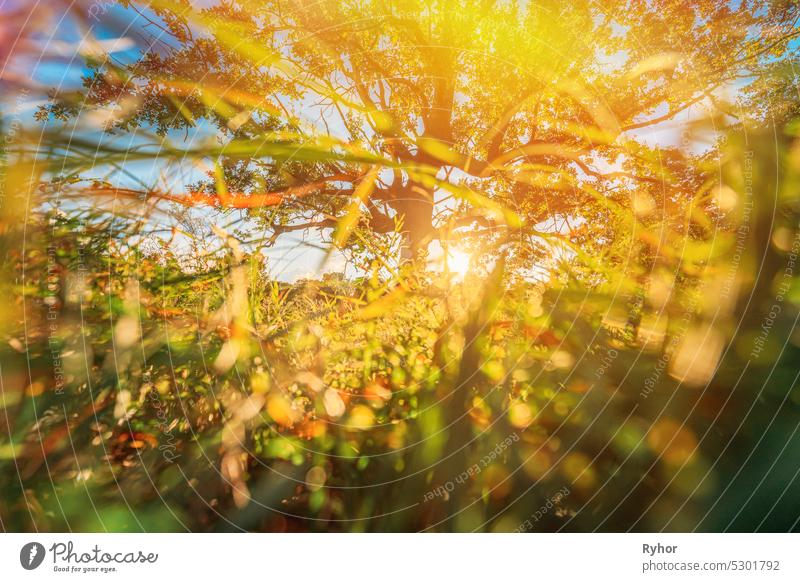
(458, 262)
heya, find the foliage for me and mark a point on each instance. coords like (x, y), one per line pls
(624, 334)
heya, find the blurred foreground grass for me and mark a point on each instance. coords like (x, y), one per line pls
(141, 393)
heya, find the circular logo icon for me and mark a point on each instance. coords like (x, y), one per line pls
(31, 555)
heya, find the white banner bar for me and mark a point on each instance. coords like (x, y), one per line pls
(399, 557)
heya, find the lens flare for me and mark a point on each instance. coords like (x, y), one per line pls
(458, 263)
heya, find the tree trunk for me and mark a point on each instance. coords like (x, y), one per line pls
(417, 229)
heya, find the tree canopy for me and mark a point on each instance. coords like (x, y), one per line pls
(478, 117)
(611, 335)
